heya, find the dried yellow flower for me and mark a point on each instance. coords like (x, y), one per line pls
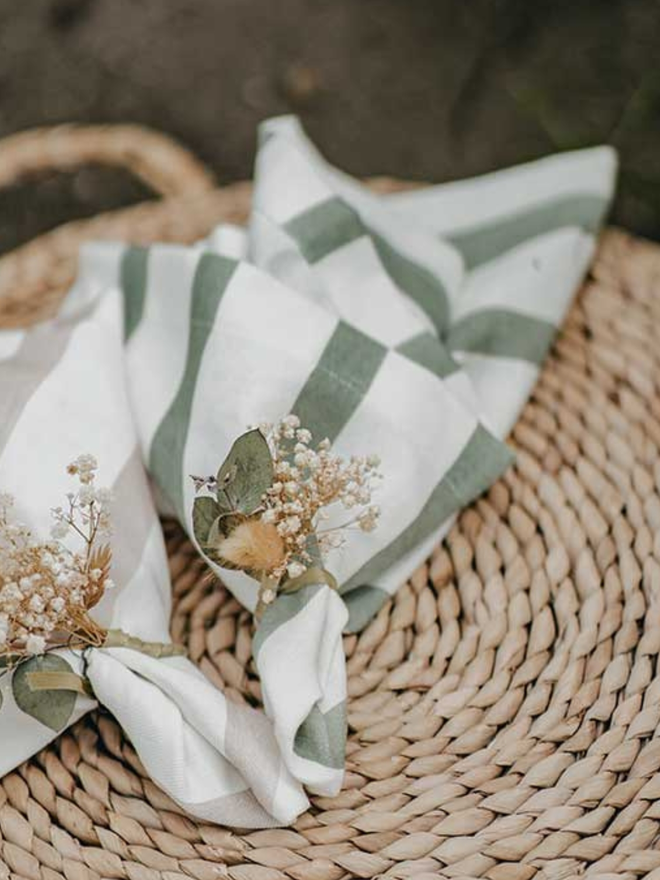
(253, 545)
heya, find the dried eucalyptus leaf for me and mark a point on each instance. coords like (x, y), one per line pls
(215, 533)
(51, 708)
(205, 511)
(222, 526)
(246, 474)
(314, 551)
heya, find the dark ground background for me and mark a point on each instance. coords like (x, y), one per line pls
(428, 89)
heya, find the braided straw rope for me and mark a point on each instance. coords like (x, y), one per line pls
(505, 706)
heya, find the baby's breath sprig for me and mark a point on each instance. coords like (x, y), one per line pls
(47, 588)
(308, 482)
(293, 526)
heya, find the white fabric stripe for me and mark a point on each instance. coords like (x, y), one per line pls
(537, 278)
(36, 357)
(273, 194)
(453, 207)
(142, 603)
(142, 606)
(502, 386)
(460, 386)
(99, 269)
(289, 128)
(227, 240)
(405, 404)
(310, 642)
(95, 405)
(363, 295)
(10, 342)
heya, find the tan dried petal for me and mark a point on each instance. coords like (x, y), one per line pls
(253, 545)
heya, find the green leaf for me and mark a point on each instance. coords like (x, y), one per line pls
(228, 522)
(314, 551)
(246, 474)
(52, 708)
(205, 512)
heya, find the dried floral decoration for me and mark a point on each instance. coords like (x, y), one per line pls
(270, 511)
(47, 590)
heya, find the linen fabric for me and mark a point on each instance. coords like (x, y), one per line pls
(410, 326)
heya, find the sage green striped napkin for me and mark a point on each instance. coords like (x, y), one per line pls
(491, 263)
(407, 326)
(214, 345)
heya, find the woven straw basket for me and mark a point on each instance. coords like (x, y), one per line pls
(505, 706)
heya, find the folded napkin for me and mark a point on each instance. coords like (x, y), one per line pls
(409, 326)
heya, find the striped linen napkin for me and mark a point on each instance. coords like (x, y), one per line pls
(410, 326)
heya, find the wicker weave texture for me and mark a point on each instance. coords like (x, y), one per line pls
(505, 706)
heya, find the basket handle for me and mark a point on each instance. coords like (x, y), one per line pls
(159, 162)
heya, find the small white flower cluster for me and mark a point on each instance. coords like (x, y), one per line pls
(47, 589)
(308, 480)
(90, 505)
(84, 467)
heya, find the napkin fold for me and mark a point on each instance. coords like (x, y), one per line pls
(63, 388)
(411, 326)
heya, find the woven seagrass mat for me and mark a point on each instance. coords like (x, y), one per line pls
(505, 706)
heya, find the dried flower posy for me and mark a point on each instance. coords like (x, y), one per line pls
(47, 588)
(267, 511)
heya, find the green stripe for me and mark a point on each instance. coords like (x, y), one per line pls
(334, 389)
(483, 243)
(133, 274)
(331, 224)
(363, 603)
(503, 333)
(481, 462)
(340, 380)
(280, 612)
(427, 351)
(211, 279)
(322, 737)
(417, 281)
(324, 228)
